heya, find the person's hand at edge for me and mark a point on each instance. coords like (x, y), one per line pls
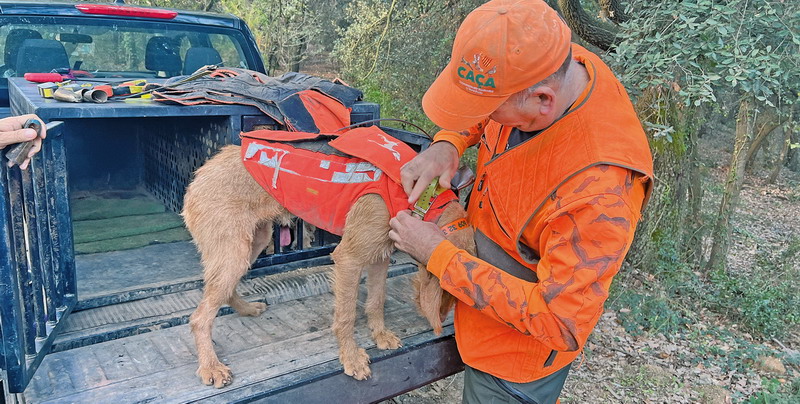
(11, 132)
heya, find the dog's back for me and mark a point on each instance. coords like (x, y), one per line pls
(223, 204)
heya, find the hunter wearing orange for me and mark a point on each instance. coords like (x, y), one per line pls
(563, 172)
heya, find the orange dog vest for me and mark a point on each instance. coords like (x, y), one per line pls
(319, 177)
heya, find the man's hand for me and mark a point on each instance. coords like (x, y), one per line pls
(414, 236)
(11, 132)
(439, 160)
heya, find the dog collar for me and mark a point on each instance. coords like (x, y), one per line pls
(454, 226)
(432, 201)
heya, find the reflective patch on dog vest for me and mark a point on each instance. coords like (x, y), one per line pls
(273, 161)
(356, 173)
(379, 148)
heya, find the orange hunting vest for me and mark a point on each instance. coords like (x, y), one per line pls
(513, 185)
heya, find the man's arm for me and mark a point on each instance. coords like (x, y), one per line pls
(583, 245)
(461, 140)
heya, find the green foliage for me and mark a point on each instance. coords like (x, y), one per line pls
(398, 47)
(704, 47)
(776, 392)
(282, 29)
(720, 347)
(765, 300)
(645, 313)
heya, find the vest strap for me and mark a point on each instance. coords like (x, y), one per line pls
(492, 253)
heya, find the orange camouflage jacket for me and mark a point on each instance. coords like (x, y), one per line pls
(555, 215)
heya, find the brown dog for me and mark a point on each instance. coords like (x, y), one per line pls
(230, 218)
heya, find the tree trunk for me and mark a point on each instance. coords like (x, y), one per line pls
(299, 51)
(745, 123)
(787, 140)
(554, 5)
(696, 228)
(766, 121)
(596, 32)
(793, 157)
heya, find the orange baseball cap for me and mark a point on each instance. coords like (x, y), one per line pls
(501, 48)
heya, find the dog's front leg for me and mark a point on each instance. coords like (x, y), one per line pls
(376, 297)
(346, 276)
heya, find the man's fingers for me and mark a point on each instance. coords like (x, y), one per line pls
(445, 178)
(16, 136)
(37, 146)
(408, 176)
(419, 187)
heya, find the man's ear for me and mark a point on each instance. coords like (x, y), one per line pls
(547, 99)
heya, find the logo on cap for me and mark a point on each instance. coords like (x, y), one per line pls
(477, 75)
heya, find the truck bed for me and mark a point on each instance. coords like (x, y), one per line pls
(288, 354)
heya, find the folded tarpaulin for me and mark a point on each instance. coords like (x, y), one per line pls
(298, 101)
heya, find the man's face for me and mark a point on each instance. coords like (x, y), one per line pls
(526, 111)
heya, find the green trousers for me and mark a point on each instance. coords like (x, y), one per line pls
(483, 388)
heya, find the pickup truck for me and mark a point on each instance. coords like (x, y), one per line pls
(97, 273)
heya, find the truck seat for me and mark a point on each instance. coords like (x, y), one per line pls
(198, 57)
(161, 56)
(41, 56)
(13, 43)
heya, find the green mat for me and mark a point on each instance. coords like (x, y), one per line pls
(124, 226)
(92, 208)
(122, 222)
(131, 242)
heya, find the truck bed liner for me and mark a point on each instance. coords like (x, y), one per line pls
(287, 353)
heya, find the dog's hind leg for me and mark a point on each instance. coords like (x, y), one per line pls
(365, 241)
(376, 298)
(261, 238)
(221, 274)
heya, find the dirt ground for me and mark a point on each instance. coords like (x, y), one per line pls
(708, 366)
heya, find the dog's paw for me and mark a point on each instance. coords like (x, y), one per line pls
(386, 339)
(356, 364)
(252, 309)
(219, 375)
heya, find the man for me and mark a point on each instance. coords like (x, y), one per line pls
(11, 132)
(563, 172)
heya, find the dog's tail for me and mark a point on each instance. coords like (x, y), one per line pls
(433, 302)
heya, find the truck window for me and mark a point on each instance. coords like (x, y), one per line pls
(108, 48)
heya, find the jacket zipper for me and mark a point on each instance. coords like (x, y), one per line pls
(491, 206)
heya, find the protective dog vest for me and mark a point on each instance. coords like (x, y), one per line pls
(319, 177)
